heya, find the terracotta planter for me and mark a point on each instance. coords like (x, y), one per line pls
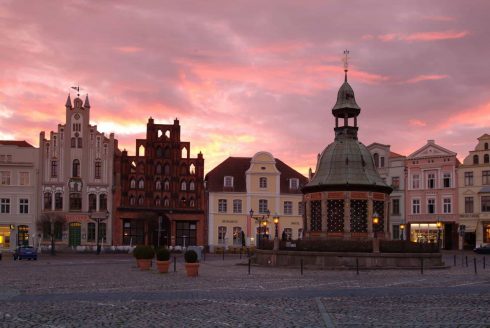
(144, 264)
(192, 269)
(163, 266)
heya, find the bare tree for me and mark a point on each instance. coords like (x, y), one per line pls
(47, 223)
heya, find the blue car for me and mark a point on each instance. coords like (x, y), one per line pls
(25, 252)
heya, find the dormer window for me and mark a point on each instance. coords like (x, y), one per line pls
(228, 182)
(293, 183)
(263, 182)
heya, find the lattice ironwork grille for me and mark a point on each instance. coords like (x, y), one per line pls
(335, 215)
(379, 207)
(358, 215)
(316, 215)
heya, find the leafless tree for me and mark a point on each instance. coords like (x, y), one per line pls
(47, 223)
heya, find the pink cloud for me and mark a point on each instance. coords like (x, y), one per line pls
(128, 49)
(476, 117)
(417, 123)
(423, 36)
(421, 78)
(439, 18)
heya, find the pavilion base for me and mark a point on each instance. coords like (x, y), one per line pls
(347, 260)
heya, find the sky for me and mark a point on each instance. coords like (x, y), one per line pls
(252, 75)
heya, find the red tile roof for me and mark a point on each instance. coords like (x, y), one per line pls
(237, 166)
(17, 143)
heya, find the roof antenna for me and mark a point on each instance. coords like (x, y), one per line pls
(78, 90)
(346, 63)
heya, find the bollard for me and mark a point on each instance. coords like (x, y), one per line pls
(421, 265)
(466, 260)
(248, 252)
(484, 262)
(175, 264)
(249, 261)
(204, 254)
(301, 266)
(357, 265)
(454, 259)
(474, 262)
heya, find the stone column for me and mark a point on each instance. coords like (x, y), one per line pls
(324, 214)
(347, 230)
(370, 216)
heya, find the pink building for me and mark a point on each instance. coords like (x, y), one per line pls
(432, 195)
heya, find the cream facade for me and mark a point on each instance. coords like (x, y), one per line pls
(18, 194)
(474, 194)
(262, 184)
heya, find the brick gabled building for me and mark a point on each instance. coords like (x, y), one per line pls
(159, 191)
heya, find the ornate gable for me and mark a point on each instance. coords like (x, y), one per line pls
(431, 150)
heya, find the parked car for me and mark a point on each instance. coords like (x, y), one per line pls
(482, 249)
(25, 252)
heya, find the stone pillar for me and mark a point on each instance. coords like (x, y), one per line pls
(370, 216)
(347, 230)
(324, 214)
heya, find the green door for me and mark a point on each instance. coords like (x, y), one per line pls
(74, 234)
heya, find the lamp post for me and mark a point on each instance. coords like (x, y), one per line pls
(98, 220)
(276, 235)
(262, 220)
(402, 231)
(375, 224)
(438, 225)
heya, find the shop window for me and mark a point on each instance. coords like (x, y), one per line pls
(486, 233)
(288, 208)
(221, 235)
(133, 232)
(185, 233)
(237, 206)
(237, 236)
(468, 178)
(468, 205)
(222, 205)
(22, 235)
(288, 233)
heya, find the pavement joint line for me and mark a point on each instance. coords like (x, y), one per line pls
(325, 316)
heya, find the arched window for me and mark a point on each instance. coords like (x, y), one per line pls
(132, 183)
(486, 146)
(184, 152)
(103, 202)
(376, 159)
(166, 169)
(158, 185)
(141, 184)
(166, 153)
(159, 152)
(76, 168)
(486, 159)
(192, 186)
(192, 169)
(141, 150)
(157, 201)
(475, 159)
(132, 200)
(166, 185)
(92, 202)
(98, 169)
(141, 200)
(183, 185)
(48, 198)
(192, 203)
(166, 202)
(183, 169)
(183, 202)
(159, 169)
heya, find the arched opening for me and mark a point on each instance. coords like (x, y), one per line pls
(475, 159)
(132, 183)
(167, 134)
(166, 169)
(192, 185)
(166, 153)
(486, 146)
(166, 202)
(486, 158)
(183, 186)
(141, 150)
(158, 185)
(159, 152)
(157, 201)
(192, 169)
(133, 166)
(141, 200)
(159, 133)
(184, 152)
(376, 159)
(141, 184)
(166, 185)
(158, 169)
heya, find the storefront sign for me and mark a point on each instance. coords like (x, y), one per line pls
(294, 223)
(229, 221)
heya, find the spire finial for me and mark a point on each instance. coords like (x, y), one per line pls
(78, 89)
(346, 63)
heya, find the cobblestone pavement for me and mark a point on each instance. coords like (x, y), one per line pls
(109, 291)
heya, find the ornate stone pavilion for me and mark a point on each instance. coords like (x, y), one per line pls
(346, 189)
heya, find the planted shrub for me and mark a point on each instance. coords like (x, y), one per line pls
(163, 254)
(190, 256)
(143, 252)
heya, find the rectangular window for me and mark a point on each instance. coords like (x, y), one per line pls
(228, 182)
(485, 203)
(222, 205)
(485, 177)
(446, 180)
(91, 231)
(133, 232)
(468, 178)
(102, 202)
(396, 232)
(5, 205)
(24, 206)
(300, 208)
(431, 181)
(237, 206)
(79, 142)
(431, 205)
(446, 202)
(24, 178)
(75, 202)
(468, 205)
(288, 208)
(54, 169)
(263, 206)
(288, 233)
(221, 235)
(263, 182)
(395, 182)
(382, 161)
(98, 169)
(5, 178)
(237, 236)
(415, 181)
(396, 206)
(415, 206)
(73, 142)
(58, 201)
(293, 183)
(92, 202)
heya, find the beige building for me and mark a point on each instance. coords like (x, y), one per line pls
(18, 194)
(474, 194)
(243, 192)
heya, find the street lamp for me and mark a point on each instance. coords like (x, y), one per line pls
(402, 229)
(438, 225)
(262, 220)
(375, 224)
(276, 236)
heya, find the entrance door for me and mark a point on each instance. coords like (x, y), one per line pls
(74, 234)
(448, 236)
(164, 232)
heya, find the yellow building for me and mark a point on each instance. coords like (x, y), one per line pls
(245, 194)
(474, 194)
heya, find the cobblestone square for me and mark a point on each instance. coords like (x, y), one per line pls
(71, 290)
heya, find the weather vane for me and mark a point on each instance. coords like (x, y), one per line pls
(346, 63)
(78, 90)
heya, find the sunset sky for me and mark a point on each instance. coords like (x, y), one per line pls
(246, 76)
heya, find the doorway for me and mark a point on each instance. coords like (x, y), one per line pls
(74, 234)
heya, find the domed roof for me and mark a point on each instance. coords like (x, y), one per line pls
(346, 164)
(346, 102)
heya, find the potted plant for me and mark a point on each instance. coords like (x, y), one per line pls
(143, 254)
(191, 263)
(163, 259)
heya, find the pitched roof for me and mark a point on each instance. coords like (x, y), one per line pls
(237, 167)
(17, 143)
(393, 154)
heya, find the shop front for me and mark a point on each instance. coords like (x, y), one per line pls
(442, 233)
